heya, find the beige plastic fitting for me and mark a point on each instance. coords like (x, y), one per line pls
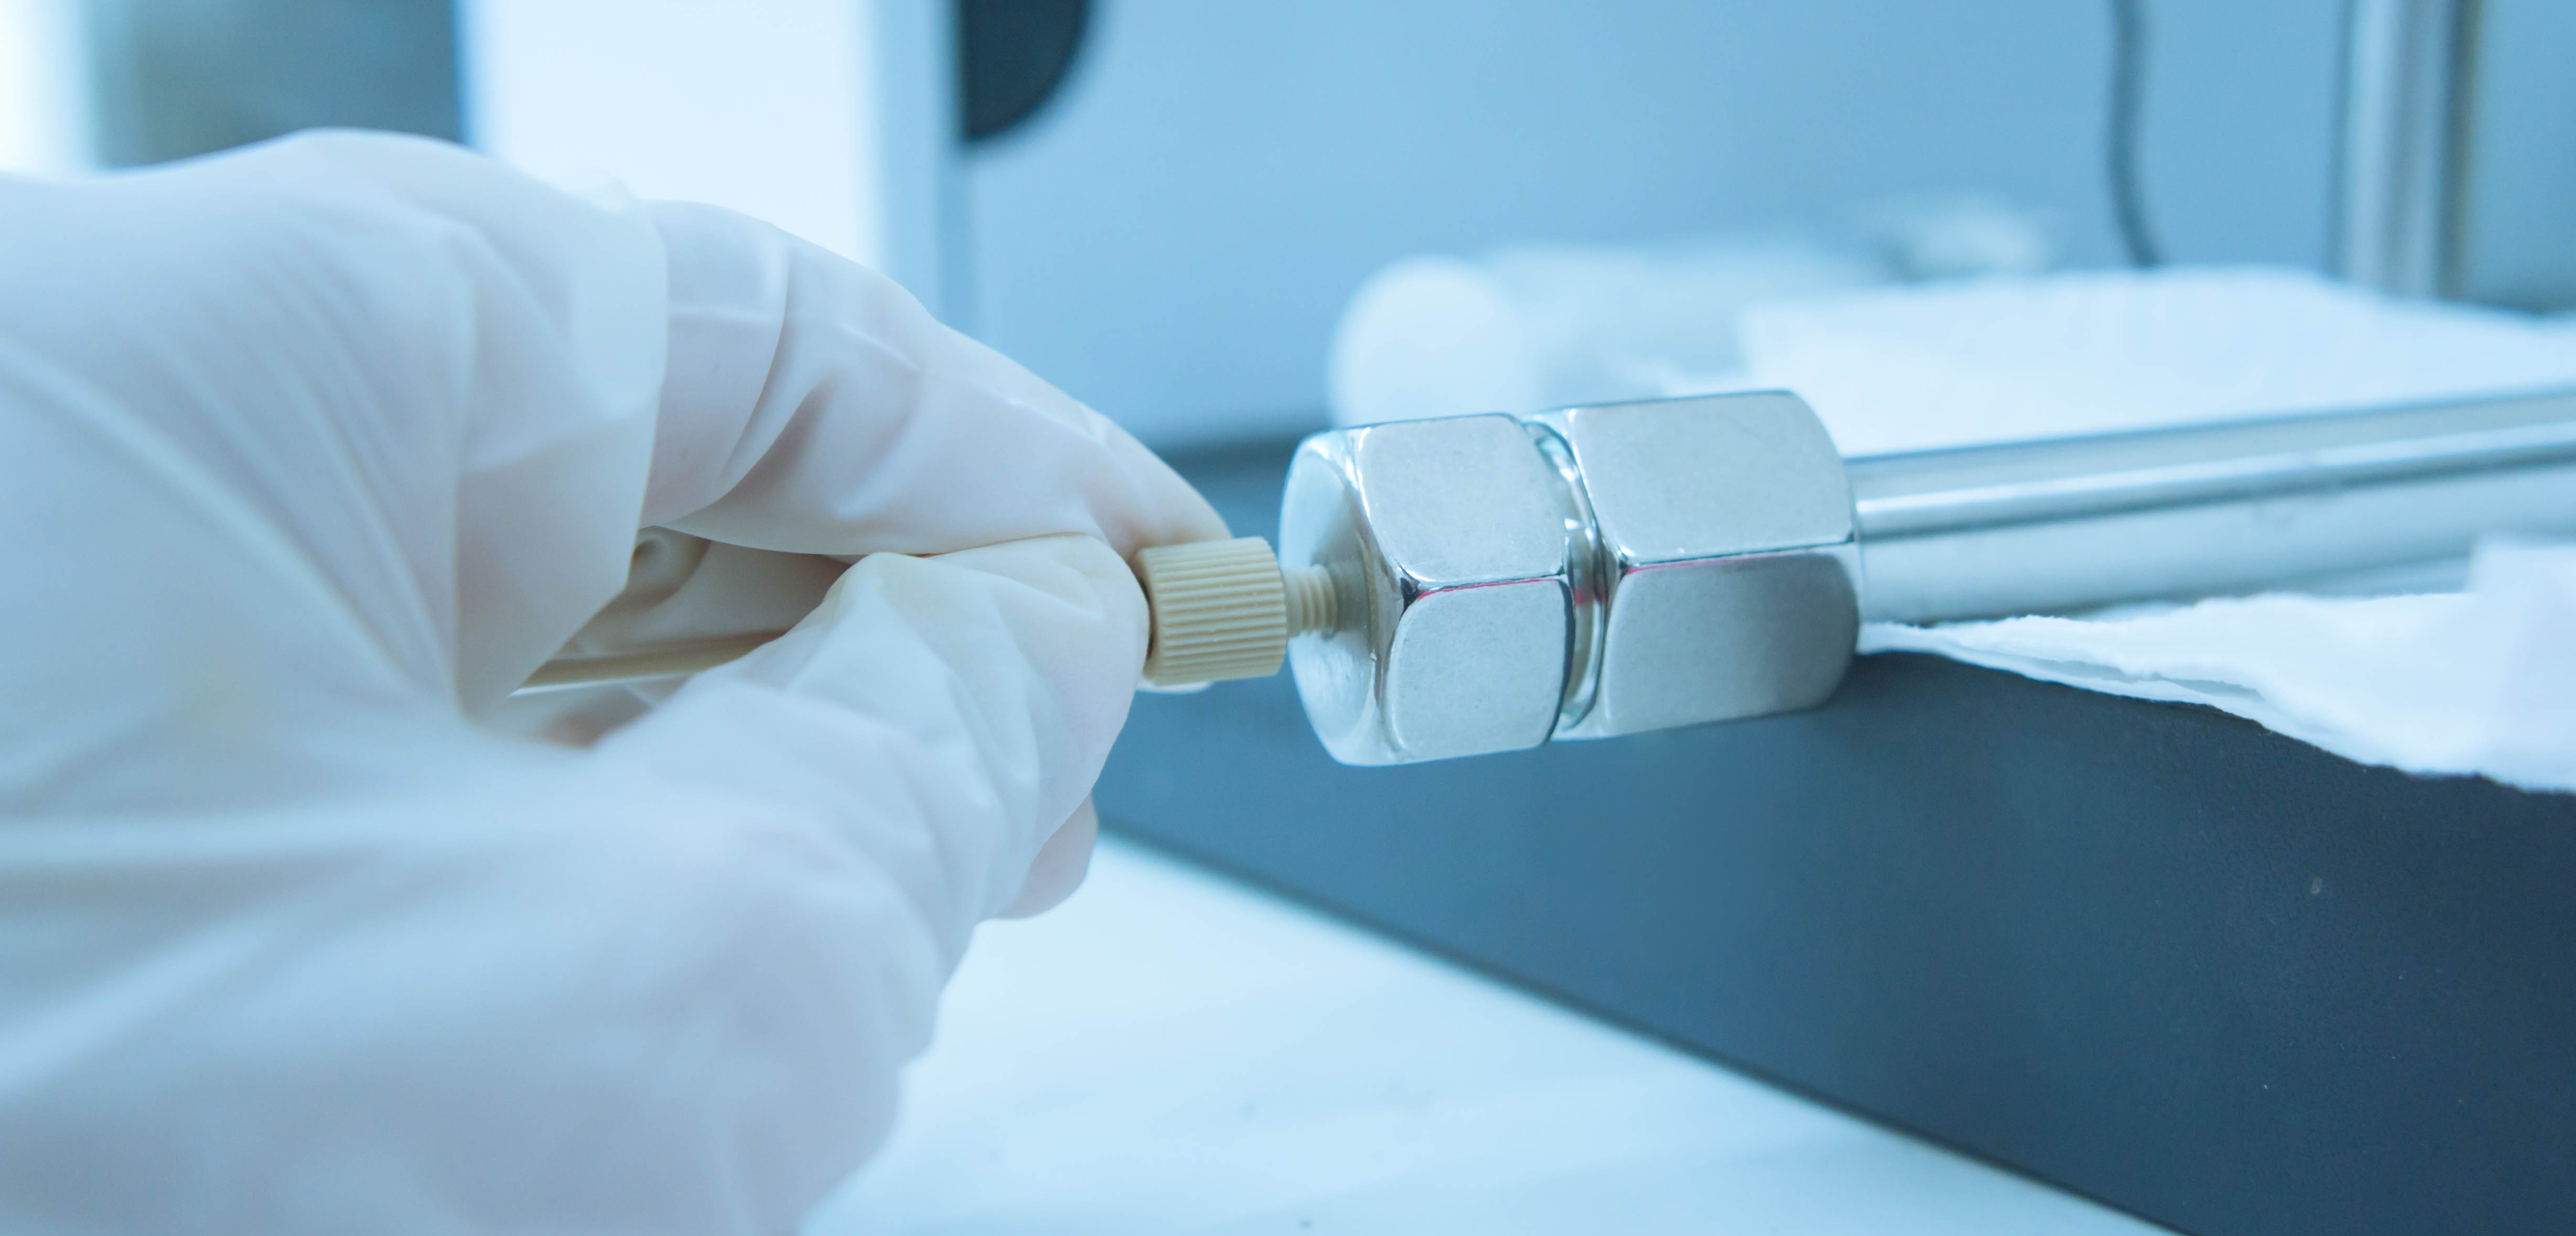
(1226, 609)
(1221, 610)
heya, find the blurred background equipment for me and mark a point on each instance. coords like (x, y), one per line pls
(44, 116)
(2408, 70)
(835, 119)
(2456, 117)
(173, 78)
(1165, 206)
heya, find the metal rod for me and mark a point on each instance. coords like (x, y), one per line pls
(2078, 523)
(2083, 522)
(2408, 66)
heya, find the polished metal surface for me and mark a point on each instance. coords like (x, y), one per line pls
(1448, 544)
(1499, 581)
(2407, 74)
(1656, 564)
(2076, 523)
(1576, 574)
(1722, 530)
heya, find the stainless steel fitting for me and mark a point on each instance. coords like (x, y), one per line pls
(1479, 584)
(1605, 570)
(1574, 574)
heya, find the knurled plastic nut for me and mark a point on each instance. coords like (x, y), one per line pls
(1224, 609)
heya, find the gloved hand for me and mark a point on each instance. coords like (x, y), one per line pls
(310, 453)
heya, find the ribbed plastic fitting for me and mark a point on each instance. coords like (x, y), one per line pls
(1225, 609)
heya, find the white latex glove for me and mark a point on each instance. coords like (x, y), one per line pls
(310, 452)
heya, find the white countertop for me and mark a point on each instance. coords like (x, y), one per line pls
(1174, 1052)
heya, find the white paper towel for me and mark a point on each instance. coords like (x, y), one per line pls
(2477, 682)
(1999, 360)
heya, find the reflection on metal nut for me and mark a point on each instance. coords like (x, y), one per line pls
(1454, 578)
(1724, 530)
(1591, 571)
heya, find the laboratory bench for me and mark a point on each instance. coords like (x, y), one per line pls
(1172, 1053)
(2151, 954)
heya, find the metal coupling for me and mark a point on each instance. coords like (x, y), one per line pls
(1476, 584)
(1579, 573)
(1605, 570)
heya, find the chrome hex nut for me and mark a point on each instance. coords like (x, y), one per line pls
(1455, 550)
(1725, 560)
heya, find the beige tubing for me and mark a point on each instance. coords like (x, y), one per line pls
(1221, 610)
(672, 660)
